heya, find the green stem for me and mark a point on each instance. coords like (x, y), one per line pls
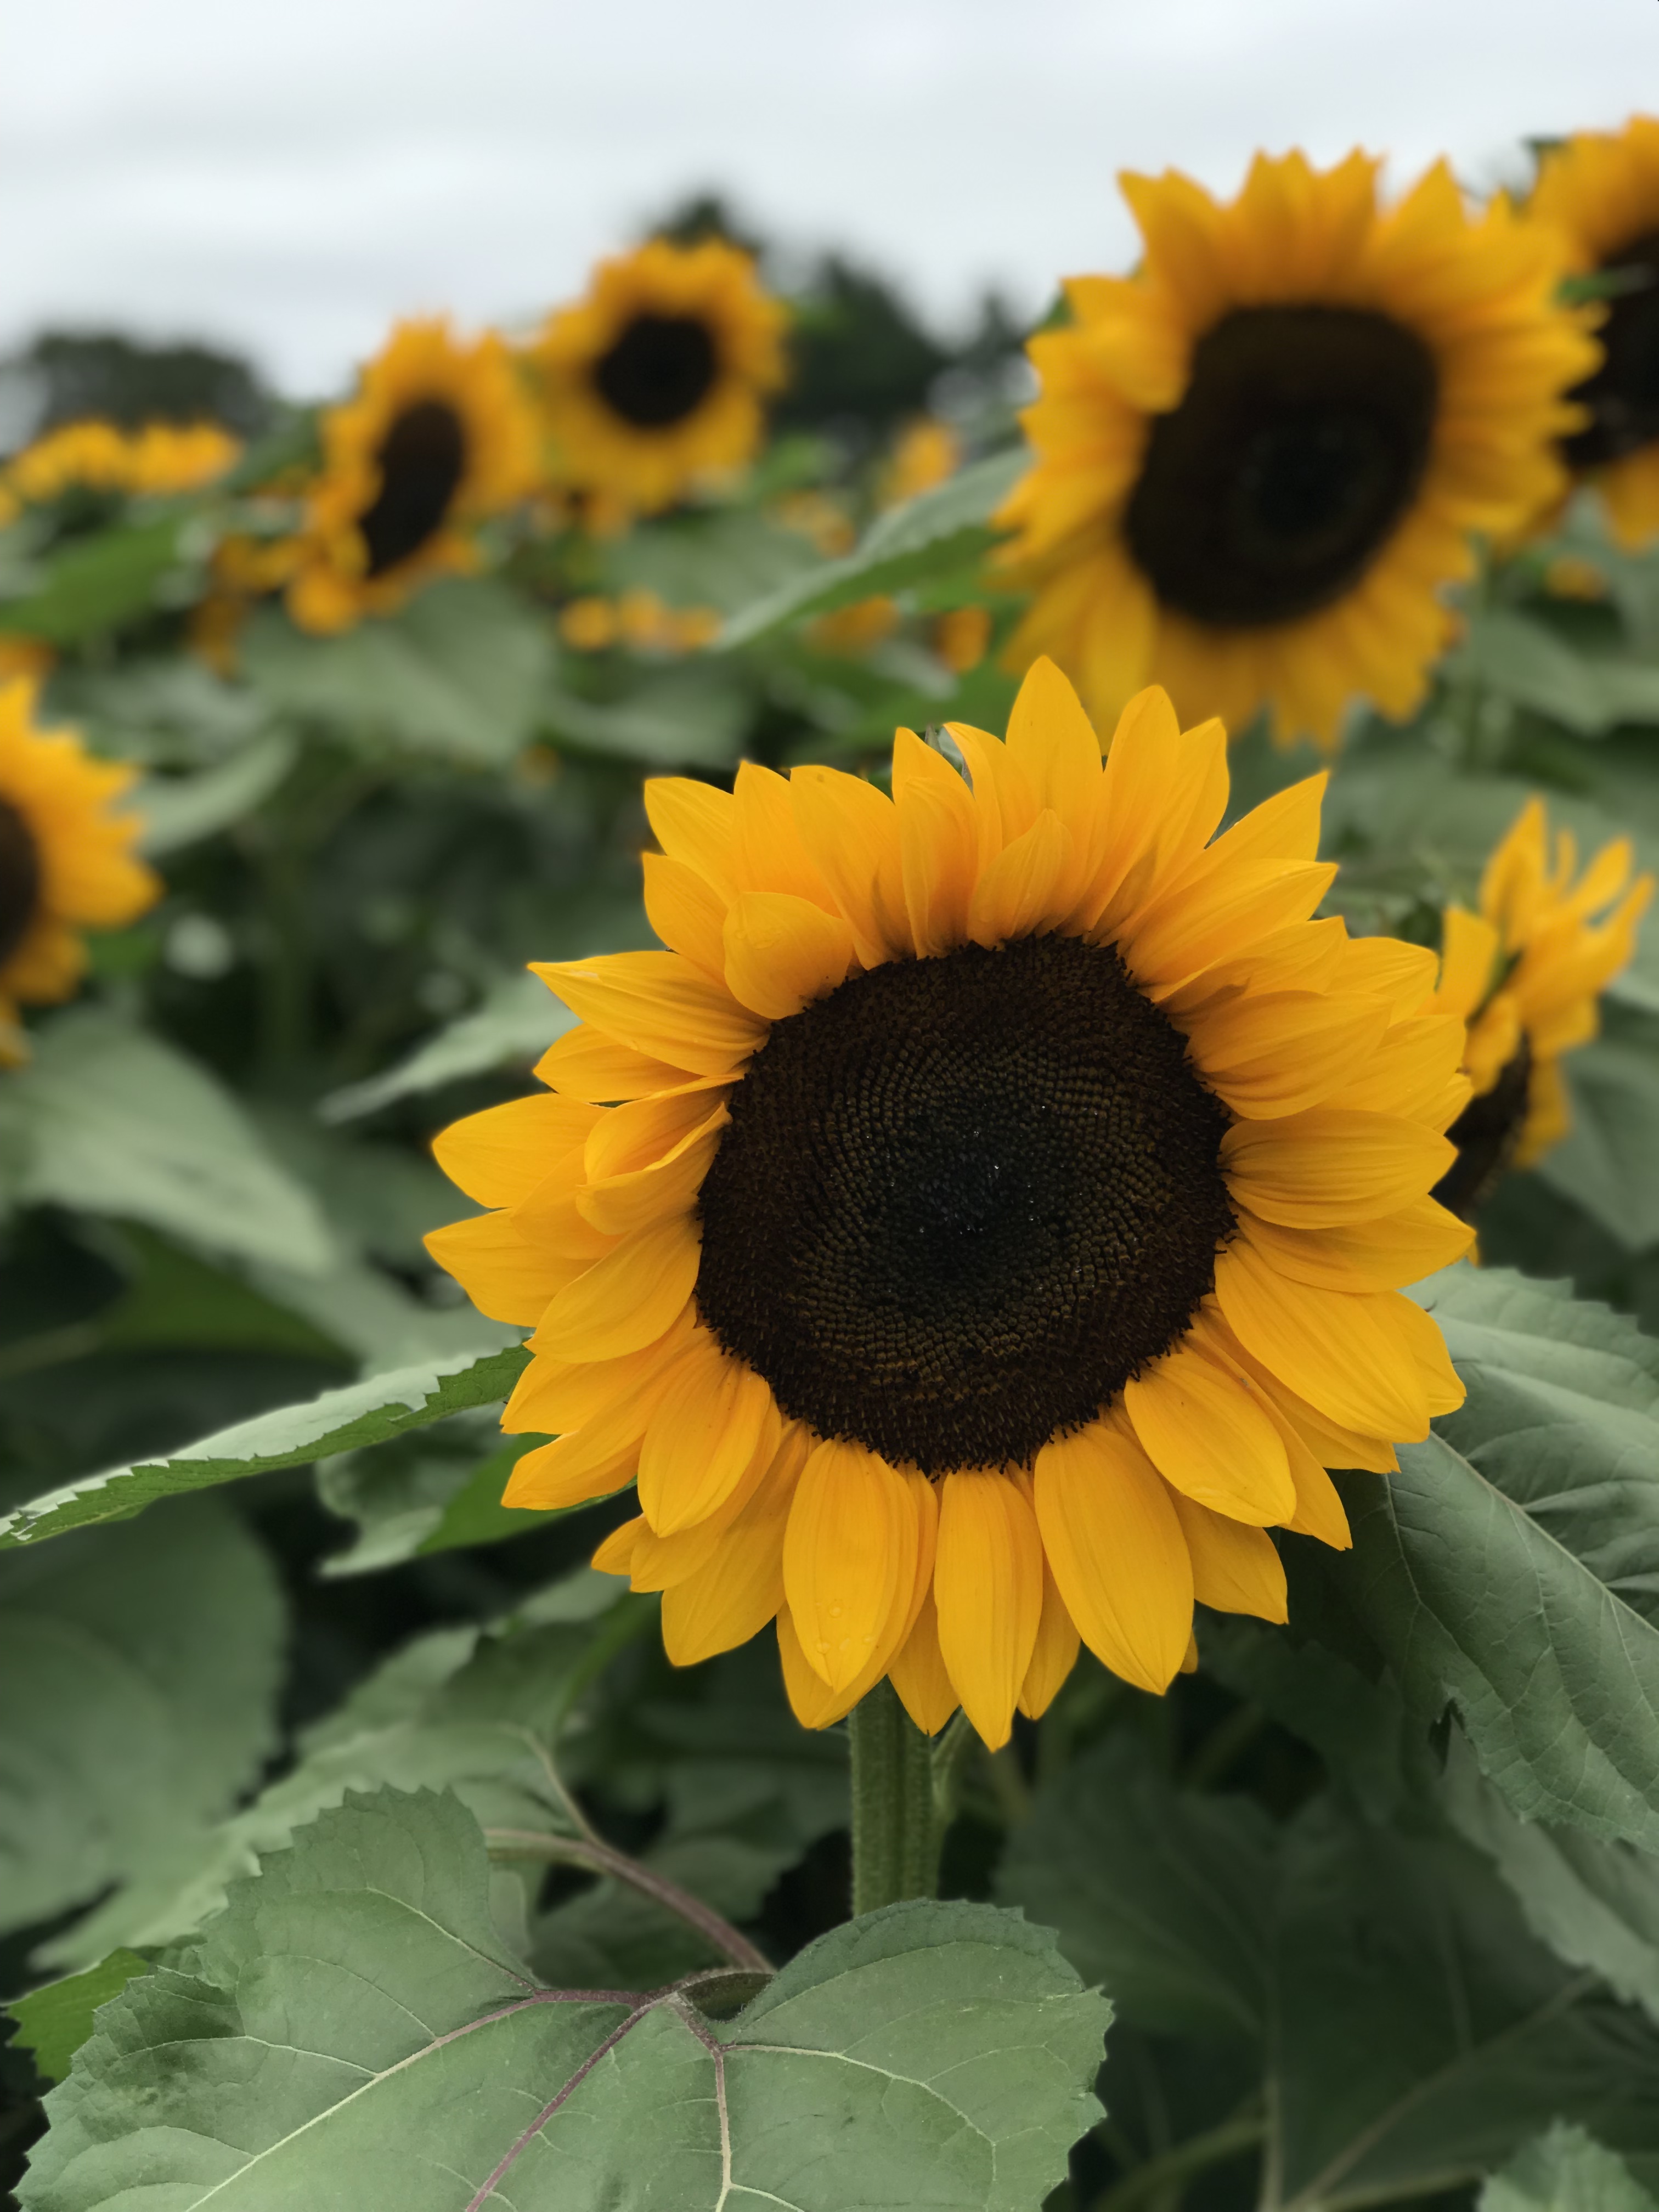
(898, 1818)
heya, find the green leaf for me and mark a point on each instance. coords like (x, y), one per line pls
(353, 2029)
(1531, 666)
(1607, 1163)
(54, 2020)
(459, 673)
(479, 1711)
(1565, 2171)
(1595, 1905)
(97, 583)
(108, 1119)
(695, 717)
(513, 1027)
(946, 529)
(181, 810)
(366, 1412)
(138, 1676)
(1408, 2031)
(409, 1503)
(1511, 1568)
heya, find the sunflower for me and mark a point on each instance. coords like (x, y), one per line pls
(656, 379)
(1259, 459)
(983, 1223)
(439, 437)
(1599, 192)
(66, 861)
(160, 458)
(1525, 974)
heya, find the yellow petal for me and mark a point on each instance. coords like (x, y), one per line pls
(686, 912)
(615, 1555)
(1285, 1051)
(1235, 1569)
(1054, 1653)
(1164, 791)
(663, 1563)
(1384, 1254)
(1118, 1555)
(550, 1218)
(624, 1203)
(711, 1418)
(554, 1395)
(1054, 742)
(626, 1300)
(1468, 960)
(661, 1005)
(851, 831)
(770, 855)
(938, 845)
(590, 1462)
(1339, 1351)
(782, 952)
(504, 1274)
(1015, 894)
(1331, 1166)
(1414, 1073)
(695, 824)
(918, 1673)
(988, 1586)
(849, 1560)
(646, 1130)
(1204, 921)
(1387, 967)
(586, 1064)
(1204, 1430)
(499, 1156)
(1442, 1386)
(812, 1700)
(1283, 827)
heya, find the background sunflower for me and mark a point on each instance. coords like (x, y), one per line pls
(656, 379)
(1260, 458)
(438, 437)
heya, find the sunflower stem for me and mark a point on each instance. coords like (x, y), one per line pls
(898, 1818)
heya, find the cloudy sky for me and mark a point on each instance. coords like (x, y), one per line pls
(285, 175)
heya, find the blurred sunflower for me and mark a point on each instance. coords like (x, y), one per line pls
(66, 861)
(439, 437)
(1000, 1226)
(1525, 974)
(1600, 192)
(160, 458)
(1260, 458)
(656, 379)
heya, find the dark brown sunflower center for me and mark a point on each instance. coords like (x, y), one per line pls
(1301, 442)
(1623, 395)
(962, 1200)
(20, 880)
(422, 459)
(661, 370)
(1485, 1134)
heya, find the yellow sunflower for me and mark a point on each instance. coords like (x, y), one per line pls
(1600, 192)
(161, 458)
(983, 1223)
(1525, 974)
(66, 861)
(439, 437)
(656, 379)
(1260, 458)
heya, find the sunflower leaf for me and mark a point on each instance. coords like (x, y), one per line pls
(97, 583)
(942, 529)
(1607, 1162)
(516, 1022)
(138, 1678)
(352, 2028)
(1510, 1569)
(361, 1413)
(54, 2020)
(1565, 2171)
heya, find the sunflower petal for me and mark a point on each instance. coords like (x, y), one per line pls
(1331, 1166)
(1285, 1051)
(849, 1560)
(658, 1004)
(1117, 1553)
(919, 1675)
(499, 1156)
(1341, 1352)
(1054, 1654)
(782, 952)
(1235, 1569)
(695, 824)
(1205, 1431)
(1015, 894)
(504, 1274)
(850, 831)
(686, 912)
(713, 1416)
(626, 1300)
(988, 1588)
(586, 1064)
(1384, 1254)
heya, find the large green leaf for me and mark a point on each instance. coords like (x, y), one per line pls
(54, 2020)
(432, 1492)
(943, 530)
(518, 1019)
(1565, 2171)
(98, 582)
(352, 2030)
(366, 1412)
(1608, 1162)
(1532, 664)
(108, 1119)
(1408, 2031)
(478, 1712)
(1511, 1567)
(138, 1676)
(459, 673)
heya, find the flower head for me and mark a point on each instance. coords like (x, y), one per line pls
(1259, 459)
(983, 1222)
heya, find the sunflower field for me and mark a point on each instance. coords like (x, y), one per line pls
(830, 1284)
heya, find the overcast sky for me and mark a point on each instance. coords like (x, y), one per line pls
(286, 175)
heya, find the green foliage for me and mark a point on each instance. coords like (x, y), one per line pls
(54, 2020)
(358, 1994)
(361, 1413)
(1565, 2171)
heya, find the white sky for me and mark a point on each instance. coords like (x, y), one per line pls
(286, 175)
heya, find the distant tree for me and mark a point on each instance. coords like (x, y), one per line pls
(84, 373)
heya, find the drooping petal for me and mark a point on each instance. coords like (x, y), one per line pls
(1112, 1538)
(849, 1560)
(711, 1418)
(1385, 1255)
(1054, 1654)
(988, 1588)
(730, 1599)
(919, 1675)
(1235, 1568)
(1205, 1431)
